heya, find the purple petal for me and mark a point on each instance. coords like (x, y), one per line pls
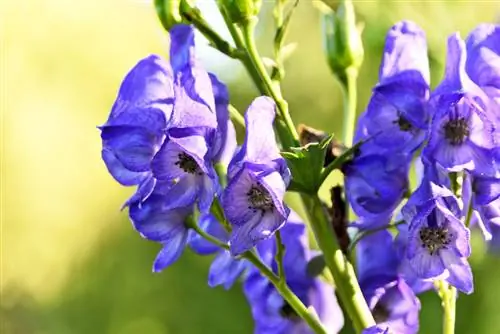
(225, 270)
(235, 199)
(260, 143)
(426, 265)
(460, 272)
(483, 55)
(376, 246)
(144, 190)
(486, 190)
(170, 252)
(211, 225)
(145, 98)
(121, 174)
(183, 193)
(405, 54)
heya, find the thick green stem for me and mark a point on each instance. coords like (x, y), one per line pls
(271, 89)
(346, 283)
(309, 317)
(350, 99)
(448, 296)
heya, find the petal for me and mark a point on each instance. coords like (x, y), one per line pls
(156, 223)
(182, 53)
(426, 265)
(260, 143)
(144, 190)
(209, 188)
(183, 193)
(460, 272)
(170, 252)
(211, 225)
(276, 187)
(235, 199)
(240, 240)
(483, 55)
(121, 174)
(165, 165)
(405, 54)
(225, 270)
(267, 226)
(146, 96)
(134, 147)
(376, 246)
(486, 190)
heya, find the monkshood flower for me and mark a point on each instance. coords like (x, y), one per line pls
(272, 314)
(166, 226)
(377, 330)
(134, 131)
(483, 59)
(392, 301)
(224, 269)
(463, 131)
(438, 242)
(483, 193)
(396, 118)
(184, 160)
(258, 177)
(375, 186)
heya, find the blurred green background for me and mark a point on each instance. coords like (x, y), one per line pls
(70, 261)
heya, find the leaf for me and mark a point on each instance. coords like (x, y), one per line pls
(306, 165)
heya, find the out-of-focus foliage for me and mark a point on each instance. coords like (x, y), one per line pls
(71, 262)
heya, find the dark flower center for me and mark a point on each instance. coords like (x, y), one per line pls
(434, 238)
(259, 198)
(187, 164)
(380, 313)
(403, 123)
(286, 311)
(456, 130)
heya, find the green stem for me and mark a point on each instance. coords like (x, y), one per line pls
(192, 15)
(272, 89)
(236, 116)
(347, 285)
(350, 99)
(339, 161)
(280, 252)
(309, 317)
(448, 296)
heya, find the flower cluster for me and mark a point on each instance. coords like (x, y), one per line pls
(454, 130)
(167, 132)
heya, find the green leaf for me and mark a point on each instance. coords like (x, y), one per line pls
(306, 165)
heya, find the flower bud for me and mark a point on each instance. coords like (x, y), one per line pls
(242, 11)
(342, 39)
(168, 12)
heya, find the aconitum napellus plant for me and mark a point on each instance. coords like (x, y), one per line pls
(172, 135)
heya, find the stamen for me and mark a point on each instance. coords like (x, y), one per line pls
(187, 164)
(259, 198)
(456, 131)
(434, 238)
(289, 313)
(380, 313)
(404, 124)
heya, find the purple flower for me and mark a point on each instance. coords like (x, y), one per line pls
(438, 242)
(225, 269)
(374, 186)
(166, 226)
(483, 193)
(258, 177)
(483, 58)
(225, 138)
(272, 314)
(377, 330)
(134, 131)
(463, 133)
(397, 118)
(392, 301)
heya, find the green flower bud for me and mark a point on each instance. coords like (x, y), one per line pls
(342, 38)
(168, 12)
(242, 11)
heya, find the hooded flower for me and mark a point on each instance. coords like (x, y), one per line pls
(134, 131)
(463, 133)
(392, 301)
(184, 160)
(374, 187)
(258, 177)
(271, 313)
(397, 118)
(225, 269)
(438, 242)
(165, 226)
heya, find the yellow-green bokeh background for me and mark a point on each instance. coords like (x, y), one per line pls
(71, 263)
